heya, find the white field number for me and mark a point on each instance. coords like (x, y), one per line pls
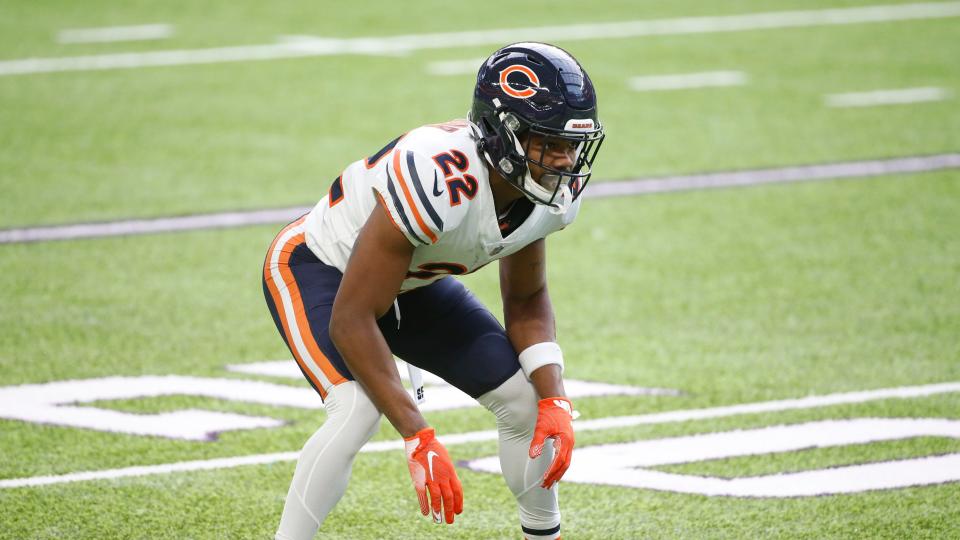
(62, 403)
(629, 464)
(590, 463)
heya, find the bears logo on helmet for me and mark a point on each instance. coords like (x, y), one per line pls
(528, 89)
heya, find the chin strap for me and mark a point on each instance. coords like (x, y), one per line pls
(562, 201)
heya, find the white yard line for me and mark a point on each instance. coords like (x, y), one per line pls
(638, 186)
(809, 402)
(886, 97)
(683, 81)
(409, 43)
(142, 32)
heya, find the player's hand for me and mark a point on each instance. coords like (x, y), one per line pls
(431, 469)
(554, 421)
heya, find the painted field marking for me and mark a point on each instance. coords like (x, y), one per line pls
(67, 403)
(683, 81)
(154, 225)
(754, 177)
(636, 186)
(455, 67)
(142, 32)
(288, 369)
(631, 464)
(809, 402)
(886, 97)
(392, 45)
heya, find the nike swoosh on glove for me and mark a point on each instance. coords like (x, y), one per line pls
(554, 421)
(431, 469)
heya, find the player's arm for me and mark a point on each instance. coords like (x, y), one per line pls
(371, 281)
(528, 316)
(527, 312)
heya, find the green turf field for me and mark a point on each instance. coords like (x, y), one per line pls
(726, 297)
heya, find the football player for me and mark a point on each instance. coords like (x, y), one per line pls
(364, 277)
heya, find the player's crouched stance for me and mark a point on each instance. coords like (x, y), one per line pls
(363, 277)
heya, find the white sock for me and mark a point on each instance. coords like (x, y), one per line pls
(323, 469)
(514, 403)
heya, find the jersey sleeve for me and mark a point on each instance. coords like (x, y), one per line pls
(410, 187)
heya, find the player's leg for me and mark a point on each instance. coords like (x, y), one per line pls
(514, 403)
(299, 291)
(325, 462)
(447, 331)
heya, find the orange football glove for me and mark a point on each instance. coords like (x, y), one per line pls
(554, 421)
(431, 468)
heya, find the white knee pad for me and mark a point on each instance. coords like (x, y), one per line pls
(514, 403)
(323, 468)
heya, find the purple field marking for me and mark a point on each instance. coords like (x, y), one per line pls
(152, 225)
(638, 186)
(753, 177)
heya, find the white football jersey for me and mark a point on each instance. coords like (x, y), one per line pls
(436, 187)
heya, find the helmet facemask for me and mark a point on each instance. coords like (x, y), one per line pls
(556, 188)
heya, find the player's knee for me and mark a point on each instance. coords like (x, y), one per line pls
(372, 430)
(354, 414)
(514, 403)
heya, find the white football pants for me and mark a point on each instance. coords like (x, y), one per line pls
(323, 469)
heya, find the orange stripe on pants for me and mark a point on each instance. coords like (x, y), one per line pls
(299, 311)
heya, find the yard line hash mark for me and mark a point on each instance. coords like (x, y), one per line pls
(110, 34)
(637, 186)
(809, 402)
(886, 97)
(683, 81)
(392, 45)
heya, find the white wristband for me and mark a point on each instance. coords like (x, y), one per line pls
(539, 355)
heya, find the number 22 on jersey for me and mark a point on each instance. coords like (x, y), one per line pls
(454, 164)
